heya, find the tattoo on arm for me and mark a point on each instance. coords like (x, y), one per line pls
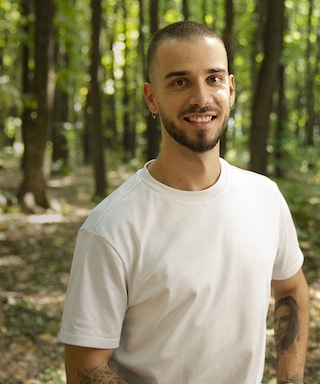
(292, 380)
(286, 324)
(99, 375)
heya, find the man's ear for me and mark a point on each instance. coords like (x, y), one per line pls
(232, 87)
(150, 98)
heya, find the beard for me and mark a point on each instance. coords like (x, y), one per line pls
(201, 142)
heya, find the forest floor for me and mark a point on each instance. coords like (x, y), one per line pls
(35, 257)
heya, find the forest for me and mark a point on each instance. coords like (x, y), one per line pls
(74, 125)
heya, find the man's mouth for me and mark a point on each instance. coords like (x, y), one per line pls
(200, 119)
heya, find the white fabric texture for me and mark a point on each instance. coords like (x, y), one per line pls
(179, 282)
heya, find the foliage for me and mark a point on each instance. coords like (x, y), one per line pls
(301, 188)
(123, 67)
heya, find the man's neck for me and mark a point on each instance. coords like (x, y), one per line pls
(188, 172)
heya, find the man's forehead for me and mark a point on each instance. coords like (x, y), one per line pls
(188, 48)
(181, 53)
(208, 51)
(209, 40)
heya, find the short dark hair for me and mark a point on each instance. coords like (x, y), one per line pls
(180, 30)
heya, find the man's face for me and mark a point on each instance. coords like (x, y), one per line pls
(192, 91)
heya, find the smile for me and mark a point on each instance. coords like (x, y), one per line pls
(200, 119)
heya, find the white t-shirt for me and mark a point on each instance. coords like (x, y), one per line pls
(178, 282)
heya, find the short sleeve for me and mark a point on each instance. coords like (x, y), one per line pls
(96, 298)
(289, 256)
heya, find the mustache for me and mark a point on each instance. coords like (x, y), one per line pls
(195, 109)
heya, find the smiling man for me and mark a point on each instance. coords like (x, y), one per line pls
(192, 91)
(172, 272)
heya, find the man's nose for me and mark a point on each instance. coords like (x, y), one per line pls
(200, 95)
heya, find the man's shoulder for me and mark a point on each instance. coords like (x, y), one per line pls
(243, 176)
(118, 201)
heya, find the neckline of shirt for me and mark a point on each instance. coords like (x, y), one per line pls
(178, 194)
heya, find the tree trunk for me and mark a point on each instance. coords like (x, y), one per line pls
(94, 103)
(185, 10)
(60, 114)
(129, 132)
(317, 70)
(309, 87)
(153, 128)
(262, 100)
(27, 88)
(280, 129)
(260, 16)
(110, 102)
(228, 38)
(141, 40)
(36, 131)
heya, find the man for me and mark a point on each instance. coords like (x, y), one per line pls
(171, 275)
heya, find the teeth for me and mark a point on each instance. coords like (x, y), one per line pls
(203, 119)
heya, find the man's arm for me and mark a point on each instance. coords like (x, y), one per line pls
(291, 326)
(89, 365)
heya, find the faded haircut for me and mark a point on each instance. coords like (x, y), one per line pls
(185, 29)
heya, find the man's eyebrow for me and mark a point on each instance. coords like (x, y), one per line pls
(176, 74)
(216, 70)
(187, 73)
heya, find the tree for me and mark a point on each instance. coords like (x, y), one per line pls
(60, 111)
(153, 130)
(36, 131)
(280, 128)
(262, 100)
(185, 9)
(129, 132)
(27, 87)
(310, 74)
(94, 102)
(228, 39)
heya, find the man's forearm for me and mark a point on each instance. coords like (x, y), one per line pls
(291, 334)
(99, 374)
(89, 366)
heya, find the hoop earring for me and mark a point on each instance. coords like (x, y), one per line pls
(153, 115)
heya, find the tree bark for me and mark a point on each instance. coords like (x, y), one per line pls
(280, 129)
(27, 87)
(260, 17)
(228, 39)
(153, 133)
(185, 10)
(129, 131)
(310, 111)
(262, 100)
(60, 113)
(94, 103)
(36, 131)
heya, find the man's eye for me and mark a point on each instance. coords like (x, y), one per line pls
(179, 82)
(214, 79)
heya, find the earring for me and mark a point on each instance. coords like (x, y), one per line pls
(153, 115)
